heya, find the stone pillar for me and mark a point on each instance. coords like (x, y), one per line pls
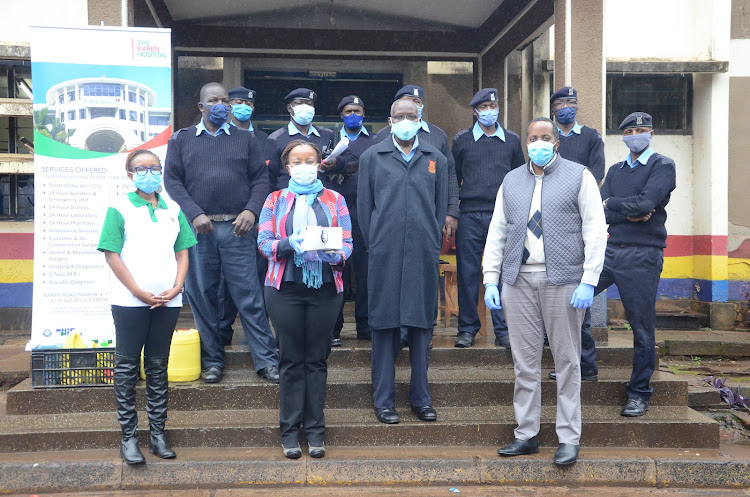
(580, 62)
(233, 74)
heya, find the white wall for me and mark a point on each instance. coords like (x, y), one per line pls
(679, 148)
(666, 29)
(16, 18)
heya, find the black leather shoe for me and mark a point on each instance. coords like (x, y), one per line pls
(316, 450)
(271, 373)
(502, 341)
(130, 452)
(367, 336)
(404, 344)
(292, 451)
(464, 340)
(566, 454)
(159, 446)
(213, 375)
(335, 342)
(585, 375)
(520, 448)
(425, 413)
(634, 408)
(387, 416)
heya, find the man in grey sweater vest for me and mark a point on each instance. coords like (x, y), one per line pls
(546, 242)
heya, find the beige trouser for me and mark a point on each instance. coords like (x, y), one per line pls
(532, 305)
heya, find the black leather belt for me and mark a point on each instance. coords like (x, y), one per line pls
(222, 217)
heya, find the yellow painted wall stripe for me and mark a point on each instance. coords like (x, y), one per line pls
(16, 271)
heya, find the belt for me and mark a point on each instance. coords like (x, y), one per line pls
(222, 217)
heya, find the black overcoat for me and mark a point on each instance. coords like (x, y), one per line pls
(402, 207)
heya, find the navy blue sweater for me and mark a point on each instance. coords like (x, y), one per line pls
(635, 192)
(223, 174)
(482, 165)
(278, 140)
(343, 178)
(586, 149)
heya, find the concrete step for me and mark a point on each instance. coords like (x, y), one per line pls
(356, 354)
(662, 426)
(347, 388)
(391, 471)
(679, 319)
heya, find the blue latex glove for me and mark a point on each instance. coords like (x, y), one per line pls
(583, 297)
(329, 257)
(492, 297)
(295, 240)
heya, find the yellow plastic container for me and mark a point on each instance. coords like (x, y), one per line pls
(184, 357)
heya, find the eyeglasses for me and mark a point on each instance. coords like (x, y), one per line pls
(142, 170)
(559, 104)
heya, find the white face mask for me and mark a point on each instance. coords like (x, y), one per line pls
(304, 174)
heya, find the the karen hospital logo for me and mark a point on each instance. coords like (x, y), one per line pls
(146, 49)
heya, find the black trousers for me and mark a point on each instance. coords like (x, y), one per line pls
(386, 344)
(303, 318)
(139, 327)
(356, 264)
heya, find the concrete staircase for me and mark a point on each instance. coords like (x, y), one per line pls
(472, 390)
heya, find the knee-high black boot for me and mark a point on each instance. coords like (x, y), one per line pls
(157, 391)
(125, 378)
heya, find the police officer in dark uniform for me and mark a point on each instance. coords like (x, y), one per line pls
(484, 154)
(344, 180)
(636, 192)
(300, 104)
(585, 146)
(242, 101)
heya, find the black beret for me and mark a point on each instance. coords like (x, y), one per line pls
(301, 93)
(351, 99)
(242, 93)
(637, 119)
(484, 95)
(564, 92)
(411, 90)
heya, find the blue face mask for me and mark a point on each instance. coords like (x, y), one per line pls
(352, 121)
(218, 113)
(488, 117)
(303, 114)
(566, 115)
(637, 143)
(148, 183)
(405, 130)
(419, 110)
(541, 152)
(242, 112)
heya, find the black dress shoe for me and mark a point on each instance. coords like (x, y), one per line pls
(464, 340)
(387, 416)
(364, 337)
(271, 373)
(335, 342)
(520, 447)
(502, 341)
(425, 413)
(291, 451)
(585, 375)
(634, 408)
(404, 344)
(213, 375)
(566, 454)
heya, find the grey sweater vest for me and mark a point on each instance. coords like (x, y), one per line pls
(561, 220)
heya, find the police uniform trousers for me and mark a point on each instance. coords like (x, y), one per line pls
(470, 240)
(533, 304)
(221, 251)
(356, 264)
(636, 270)
(386, 344)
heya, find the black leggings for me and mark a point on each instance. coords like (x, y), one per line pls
(136, 327)
(303, 318)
